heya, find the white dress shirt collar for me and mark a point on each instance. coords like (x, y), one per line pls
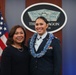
(39, 40)
(43, 36)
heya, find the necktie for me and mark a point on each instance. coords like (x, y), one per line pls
(39, 38)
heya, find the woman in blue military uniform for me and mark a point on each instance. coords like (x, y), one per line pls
(45, 50)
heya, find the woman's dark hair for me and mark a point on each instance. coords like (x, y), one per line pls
(41, 17)
(12, 32)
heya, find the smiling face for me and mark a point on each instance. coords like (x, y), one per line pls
(40, 26)
(18, 36)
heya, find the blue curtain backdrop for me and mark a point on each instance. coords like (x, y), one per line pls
(69, 39)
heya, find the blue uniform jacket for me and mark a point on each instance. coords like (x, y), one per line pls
(50, 63)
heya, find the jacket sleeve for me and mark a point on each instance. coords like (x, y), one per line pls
(6, 62)
(57, 57)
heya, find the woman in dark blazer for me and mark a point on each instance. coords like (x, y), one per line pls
(45, 50)
(15, 57)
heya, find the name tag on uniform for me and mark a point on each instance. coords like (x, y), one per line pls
(50, 47)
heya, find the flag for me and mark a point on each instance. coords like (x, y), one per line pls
(3, 34)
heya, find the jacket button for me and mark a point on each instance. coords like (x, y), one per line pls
(35, 66)
(36, 61)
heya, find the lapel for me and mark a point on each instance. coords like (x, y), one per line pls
(42, 44)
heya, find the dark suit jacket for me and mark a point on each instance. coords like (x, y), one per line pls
(14, 62)
(50, 63)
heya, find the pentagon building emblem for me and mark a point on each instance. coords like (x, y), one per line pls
(55, 16)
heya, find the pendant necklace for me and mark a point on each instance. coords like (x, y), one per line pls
(19, 49)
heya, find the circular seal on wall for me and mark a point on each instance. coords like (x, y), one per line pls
(54, 14)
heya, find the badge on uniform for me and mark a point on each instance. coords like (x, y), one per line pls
(50, 47)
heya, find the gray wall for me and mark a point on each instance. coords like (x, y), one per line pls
(13, 12)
